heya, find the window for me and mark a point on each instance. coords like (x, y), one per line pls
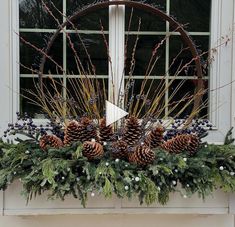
(206, 27)
(152, 32)
(37, 29)
(149, 29)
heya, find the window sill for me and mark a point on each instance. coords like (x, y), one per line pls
(14, 204)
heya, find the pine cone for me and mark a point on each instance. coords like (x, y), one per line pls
(155, 137)
(50, 141)
(132, 131)
(92, 150)
(193, 144)
(184, 142)
(142, 155)
(72, 133)
(119, 149)
(106, 132)
(87, 130)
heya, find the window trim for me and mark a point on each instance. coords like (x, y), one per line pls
(221, 22)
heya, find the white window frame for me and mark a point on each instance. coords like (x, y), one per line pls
(222, 19)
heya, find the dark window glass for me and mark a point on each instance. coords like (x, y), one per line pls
(194, 13)
(34, 15)
(143, 54)
(180, 96)
(91, 21)
(149, 22)
(30, 93)
(92, 54)
(30, 57)
(180, 55)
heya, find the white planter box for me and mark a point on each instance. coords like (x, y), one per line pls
(12, 203)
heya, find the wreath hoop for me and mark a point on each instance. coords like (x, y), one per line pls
(145, 7)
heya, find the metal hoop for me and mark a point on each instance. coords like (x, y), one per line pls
(145, 7)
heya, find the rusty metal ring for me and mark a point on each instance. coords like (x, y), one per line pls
(145, 7)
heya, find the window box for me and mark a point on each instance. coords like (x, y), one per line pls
(14, 204)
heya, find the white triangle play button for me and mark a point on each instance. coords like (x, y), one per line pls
(113, 113)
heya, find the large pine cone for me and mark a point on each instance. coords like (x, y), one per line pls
(92, 150)
(184, 142)
(132, 133)
(72, 133)
(155, 137)
(120, 149)
(48, 141)
(106, 132)
(142, 155)
(87, 130)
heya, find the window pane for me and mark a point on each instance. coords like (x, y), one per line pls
(30, 57)
(149, 22)
(180, 55)
(92, 53)
(28, 85)
(195, 13)
(34, 15)
(91, 21)
(143, 53)
(180, 96)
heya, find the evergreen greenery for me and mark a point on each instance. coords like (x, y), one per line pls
(65, 171)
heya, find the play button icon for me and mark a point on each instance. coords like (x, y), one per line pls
(113, 113)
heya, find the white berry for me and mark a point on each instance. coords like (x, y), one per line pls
(176, 170)
(159, 189)
(107, 164)
(117, 160)
(232, 173)
(174, 182)
(221, 168)
(92, 140)
(104, 143)
(137, 179)
(78, 179)
(126, 188)
(62, 178)
(187, 185)
(92, 194)
(185, 159)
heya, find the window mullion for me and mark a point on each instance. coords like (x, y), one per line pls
(116, 52)
(167, 62)
(64, 57)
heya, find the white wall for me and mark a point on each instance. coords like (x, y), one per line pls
(6, 97)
